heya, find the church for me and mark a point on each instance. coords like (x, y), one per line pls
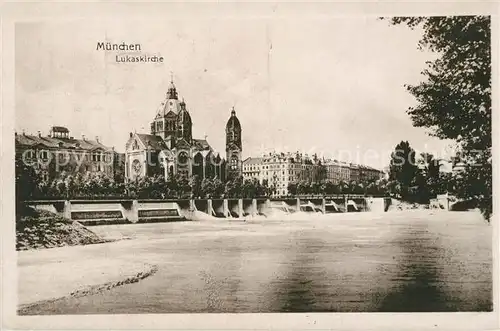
(170, 149)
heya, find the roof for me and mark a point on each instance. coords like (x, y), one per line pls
(252, 160)
(233, 122)
(201, 144)
(155, 142)
(54, 143)
(59, 129)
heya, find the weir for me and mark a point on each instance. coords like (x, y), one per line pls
(99, 212)
(331, 207)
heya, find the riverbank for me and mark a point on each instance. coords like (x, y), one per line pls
(40, 229)
(52, 274)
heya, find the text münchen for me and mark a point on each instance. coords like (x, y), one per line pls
(107, 46)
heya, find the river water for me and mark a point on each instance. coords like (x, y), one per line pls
(411, 261)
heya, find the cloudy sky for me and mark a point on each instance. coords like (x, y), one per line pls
(327, 86)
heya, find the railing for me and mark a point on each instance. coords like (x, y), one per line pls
(288, 197)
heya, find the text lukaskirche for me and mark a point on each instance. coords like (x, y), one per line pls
(139, 58)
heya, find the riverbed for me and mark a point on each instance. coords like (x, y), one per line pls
(408, 261)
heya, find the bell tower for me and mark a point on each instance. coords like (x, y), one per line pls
(184, 124)
(233, 146)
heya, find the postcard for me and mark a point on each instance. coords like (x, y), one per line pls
(250, 166)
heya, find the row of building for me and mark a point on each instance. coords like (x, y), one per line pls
(59, 152)
(169, 149)
(281, 169)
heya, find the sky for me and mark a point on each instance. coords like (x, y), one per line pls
(332, 86)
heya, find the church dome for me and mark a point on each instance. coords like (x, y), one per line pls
(233, 123)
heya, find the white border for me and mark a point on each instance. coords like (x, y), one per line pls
(314, 321)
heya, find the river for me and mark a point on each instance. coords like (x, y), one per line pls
(409, 261)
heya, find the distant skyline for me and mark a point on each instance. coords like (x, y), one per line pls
(317, 86)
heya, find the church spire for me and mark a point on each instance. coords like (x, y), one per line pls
(172, 91)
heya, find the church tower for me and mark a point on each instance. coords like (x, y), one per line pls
(184, 124)
(233, 146)
(165, 122)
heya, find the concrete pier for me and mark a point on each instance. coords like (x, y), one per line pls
(240, 208)
(225, 207)
(210, 209)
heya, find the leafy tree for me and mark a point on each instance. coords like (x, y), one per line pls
(292, 188)
(263, 189)
(430, 168)
(316, 188)
(26, 186)
(343, 187)
(455, 99)
(304, 187)
(195, 184)
(218, 188)
(207, 188)
(402, 167)
(420, 190)
(330, 188)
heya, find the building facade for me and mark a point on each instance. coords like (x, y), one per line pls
(279, 170)
(337, 171)
(170, 149)
(58, 153)
(366, 173)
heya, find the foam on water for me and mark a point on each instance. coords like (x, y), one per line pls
(201, 216)
(278, 214)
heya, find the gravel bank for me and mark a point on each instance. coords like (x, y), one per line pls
(49, 275)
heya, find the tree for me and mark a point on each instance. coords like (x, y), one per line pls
(430, 167)
(343, 187)
(26, 184)
(330, 188)
(218, 188)
(402, 167)
(195, 184)
(455, 99)
(292, 188)
(207, 188)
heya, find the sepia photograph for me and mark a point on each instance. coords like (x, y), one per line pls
(195, 165)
